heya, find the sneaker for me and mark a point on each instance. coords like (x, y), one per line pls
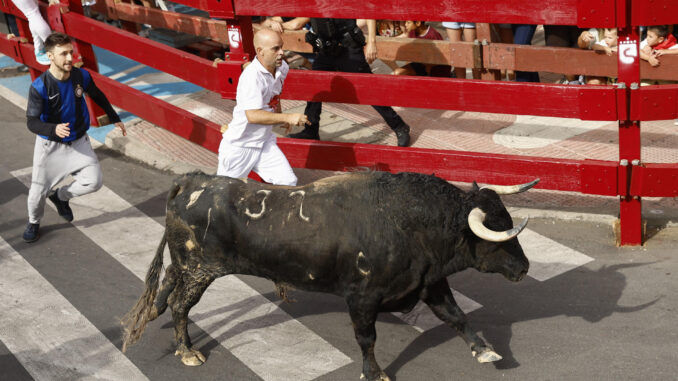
(675, 122)
(63, 208)
(41, 57)
(305, 134)
(403, 135)
(31, 233)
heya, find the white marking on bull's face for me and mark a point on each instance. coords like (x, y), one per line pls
(362, 258)
(301, 206)
(194, 198)
(256, 216)
(310, 276)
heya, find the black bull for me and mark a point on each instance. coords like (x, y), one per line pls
(381, 241)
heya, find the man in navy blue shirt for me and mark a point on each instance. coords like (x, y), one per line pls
(58, 114)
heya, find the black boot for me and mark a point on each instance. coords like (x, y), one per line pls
(63, 208)
(31, 234)
(305, 134)
(403, 134)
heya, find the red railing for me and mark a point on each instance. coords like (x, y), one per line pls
(629, 178)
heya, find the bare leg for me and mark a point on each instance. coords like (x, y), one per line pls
(455, 36)
(470, 36)
(439, 298)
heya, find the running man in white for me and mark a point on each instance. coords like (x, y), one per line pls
(248, 144)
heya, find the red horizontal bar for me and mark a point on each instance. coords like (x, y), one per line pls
(550, 12)
(181, 64)
(654, 12)
(658, 102)
(556, 174)
(453, 94)
(655, 180)
(174, 119)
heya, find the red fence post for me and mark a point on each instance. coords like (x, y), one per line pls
(630, 206)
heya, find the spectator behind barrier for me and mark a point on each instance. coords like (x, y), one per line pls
(522, 35)
(461, 31)
(657, 43)
(563, 36)
(419, 29)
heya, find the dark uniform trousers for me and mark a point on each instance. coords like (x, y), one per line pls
(350, 60)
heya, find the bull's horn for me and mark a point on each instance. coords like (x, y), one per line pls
(475, 222)
(511, 189)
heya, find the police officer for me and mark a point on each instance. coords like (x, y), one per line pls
(338, 45)
(58, 115)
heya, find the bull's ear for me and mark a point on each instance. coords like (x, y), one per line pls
(474, 187)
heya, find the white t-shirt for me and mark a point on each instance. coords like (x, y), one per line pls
(257, 89)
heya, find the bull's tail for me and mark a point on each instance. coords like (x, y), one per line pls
(134, 322)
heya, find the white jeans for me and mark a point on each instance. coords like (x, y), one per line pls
(268, 162)
(38, 26)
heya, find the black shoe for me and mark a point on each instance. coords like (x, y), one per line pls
(31, 233)
(62, 207)
(403, 135)
(305, 134)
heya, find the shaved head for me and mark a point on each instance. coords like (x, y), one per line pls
(268, 45)
(266, 37)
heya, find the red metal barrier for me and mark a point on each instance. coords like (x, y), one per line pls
(629, 178)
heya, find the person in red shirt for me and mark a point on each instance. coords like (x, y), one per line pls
(419, 29)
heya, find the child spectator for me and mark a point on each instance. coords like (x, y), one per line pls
(419, 29)
(461, 31)
(657, 43)
(389, 28)
(602, 41)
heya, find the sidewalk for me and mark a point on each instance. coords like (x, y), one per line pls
(440, 129)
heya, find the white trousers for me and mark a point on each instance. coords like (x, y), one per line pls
(38, 26)
(268, 162)
(52, 162)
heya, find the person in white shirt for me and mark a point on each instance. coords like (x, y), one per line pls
(248, 144)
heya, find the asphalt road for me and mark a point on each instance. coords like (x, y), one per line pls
(595, 312)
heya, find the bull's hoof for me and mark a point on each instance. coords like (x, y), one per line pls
(381, 377)
(191, 357)
(486, 355)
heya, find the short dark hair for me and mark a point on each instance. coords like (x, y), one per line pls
(660, 30)
(55, 39)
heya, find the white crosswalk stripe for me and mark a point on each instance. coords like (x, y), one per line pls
(549, 258)
(273, 344)
(47, 334)
(422, 318)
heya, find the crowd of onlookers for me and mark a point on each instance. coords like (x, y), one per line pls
(657, 41)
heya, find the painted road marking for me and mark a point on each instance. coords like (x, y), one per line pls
(47, 334)
(549, 258)
(260, 334)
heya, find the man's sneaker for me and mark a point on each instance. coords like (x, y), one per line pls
(62, 207)
(403, 135)
(675, 122)
(305, 134)
(41, 57)
(31, 233)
